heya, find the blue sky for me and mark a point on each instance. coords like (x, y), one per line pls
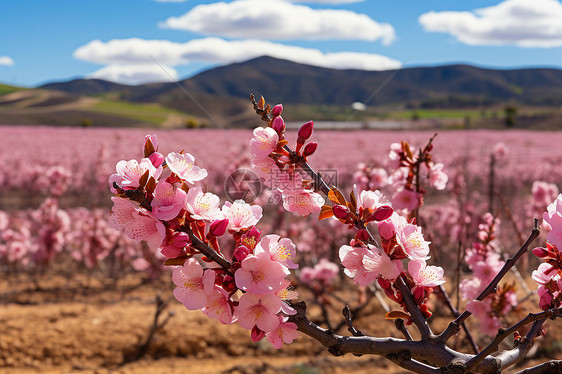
(136, 41)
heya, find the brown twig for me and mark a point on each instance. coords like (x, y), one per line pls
(549, 367)
(454, 326)
(502, 334)
(456, 313)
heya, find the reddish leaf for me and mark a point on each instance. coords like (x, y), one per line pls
(144, 179)
(325, 212)
(395, 314)
(177, 261)
(336, 196)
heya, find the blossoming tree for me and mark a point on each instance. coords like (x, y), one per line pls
(156, 201)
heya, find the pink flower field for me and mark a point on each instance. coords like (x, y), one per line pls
(57, 233)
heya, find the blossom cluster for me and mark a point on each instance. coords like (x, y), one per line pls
(184, 224)
(279, 167)
(549, 274)
(402, 243)
(485, 262)
(405, 166)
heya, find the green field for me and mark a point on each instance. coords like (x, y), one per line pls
(6, 89)
(149, 113)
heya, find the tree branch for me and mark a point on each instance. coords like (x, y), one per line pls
(415, 312)
(208, 251)
(453, 327)
(456, 313)
(504, 333)
(549, 367)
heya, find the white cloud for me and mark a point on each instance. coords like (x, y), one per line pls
(524, 23)
(135, 74)
(279, 20)
(219, 51)
(326, 1)
(6, 60)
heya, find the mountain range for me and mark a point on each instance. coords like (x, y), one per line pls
(220, 95)
(291, 82)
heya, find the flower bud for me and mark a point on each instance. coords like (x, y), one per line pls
(418, 294)
(240, 253)
(362, 235)
(386, 229)
(309, 149)
(277, 110)
(340, 211)
(180, 239)
(156, 158)
(540, 252)
(257, 334)
(150, 144)
(306, 130)
(278, 125)
(218, 227)
(382, 213)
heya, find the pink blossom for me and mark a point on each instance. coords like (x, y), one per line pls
(302, 201)
(193, 285)
(407, 200)
(370, 200)
(378, 178)
(543, 193)
(148, 228)
(481, 309)
(365, 265)
(410, 237)
(259, 274)
(378, 264)
(285, 332)
(123, 212)
(203, 206)
(437, 178)
(268, 171)
(544, 274)
(307, 274)
(553, 217)
(394, 155)
(487, 269)
(280, 250)
(258, 310)
(425, 276)
(168, 201)
(138, 223)
(129, 173)
(241, 215)
(326, 271)
(183, 165)
(264, 142)
(500, 150)
(218, 306)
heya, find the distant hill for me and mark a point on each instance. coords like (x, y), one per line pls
(290, 82)
(86, 86)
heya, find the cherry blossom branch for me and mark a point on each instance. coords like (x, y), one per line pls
(399, 323)
(348, 316)
(415, 312)
(402, 352)
(504, 333)
(453, 327)
(554, 366)
(208, 251)
(456, 313)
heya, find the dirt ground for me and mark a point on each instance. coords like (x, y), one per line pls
(64, 327)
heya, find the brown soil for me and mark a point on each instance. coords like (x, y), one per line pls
(65, 327)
